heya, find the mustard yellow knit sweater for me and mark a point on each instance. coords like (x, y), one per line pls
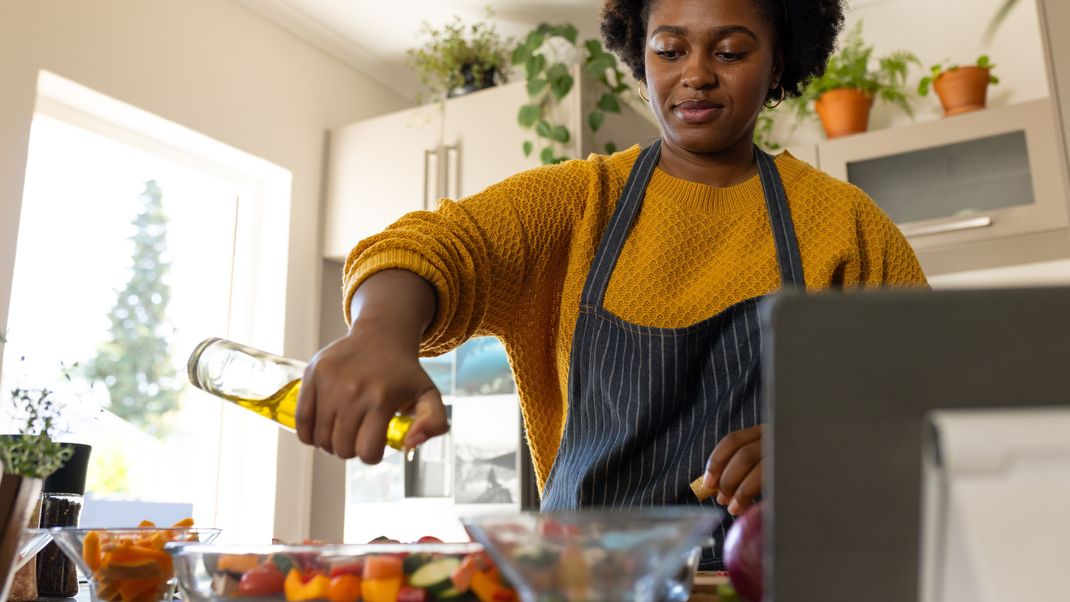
(511, 261)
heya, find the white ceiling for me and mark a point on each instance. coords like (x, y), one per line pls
(372, 36)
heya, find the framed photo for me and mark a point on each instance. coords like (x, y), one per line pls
(486, 446)
(430, 473)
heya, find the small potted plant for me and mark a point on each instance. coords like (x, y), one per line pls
(26, 459)
(459, 59)
(844, 94)
(960, 88)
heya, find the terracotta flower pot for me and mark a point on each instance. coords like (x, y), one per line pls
(19, 497)
(962, 89)
(844, 111)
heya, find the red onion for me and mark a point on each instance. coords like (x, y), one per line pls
(743, 548)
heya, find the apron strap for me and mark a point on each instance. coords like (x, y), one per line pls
(776, 201)
(631, 198)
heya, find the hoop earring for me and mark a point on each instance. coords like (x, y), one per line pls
(783, 93)
(639, 89)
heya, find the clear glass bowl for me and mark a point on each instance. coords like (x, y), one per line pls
(387, 572)
(131, 565)
(31, 542)
(596, 555)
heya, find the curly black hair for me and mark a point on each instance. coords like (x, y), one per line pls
(806, 32)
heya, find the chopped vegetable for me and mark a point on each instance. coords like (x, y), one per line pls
(302, 588)
(132, 566)
(350, 568)
(264, 580)
(488, 588)
(91, 550)
(411, 594)
(435, 576)
(237, 563)
(383, 566)
(380, 590)
(344, 588)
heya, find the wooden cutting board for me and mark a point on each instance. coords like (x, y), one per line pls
(705, 588)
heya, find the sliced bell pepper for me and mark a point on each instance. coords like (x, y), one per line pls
(131, 589)
(91, 550)
(380, 590)
(488, 588)
(299, 590)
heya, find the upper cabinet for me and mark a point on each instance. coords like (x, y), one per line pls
(385, 167)
(378, 170)
(957, 185)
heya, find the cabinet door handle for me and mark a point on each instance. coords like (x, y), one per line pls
(429, 154)
(453, 171)
(944, 227)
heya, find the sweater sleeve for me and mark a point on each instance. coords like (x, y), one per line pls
(887, 259)
(483, 254)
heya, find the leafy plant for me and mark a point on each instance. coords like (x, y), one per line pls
(549, 81)
(456, 56)
(849, 67)
(34, 453)
(939, 69)
(763, 131)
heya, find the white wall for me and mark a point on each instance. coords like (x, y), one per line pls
(216, 68)
(938, 30)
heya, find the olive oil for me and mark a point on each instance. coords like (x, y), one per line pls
(263, 383)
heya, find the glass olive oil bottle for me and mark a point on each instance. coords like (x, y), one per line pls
(262, 382)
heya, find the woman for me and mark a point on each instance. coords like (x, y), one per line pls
(623, 287)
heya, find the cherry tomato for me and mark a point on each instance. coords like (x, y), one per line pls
(344, 588)
(353, 568)
(264, 580)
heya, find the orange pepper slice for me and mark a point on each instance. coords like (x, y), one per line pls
(186, 522)
(131, 589)
(146, 523)
(91, 550)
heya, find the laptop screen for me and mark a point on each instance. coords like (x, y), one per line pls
(849, 380)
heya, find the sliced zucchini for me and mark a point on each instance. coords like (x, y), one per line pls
(453, 595)
(434, 576)
(412, 562)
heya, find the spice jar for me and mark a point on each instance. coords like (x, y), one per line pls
(61, 506)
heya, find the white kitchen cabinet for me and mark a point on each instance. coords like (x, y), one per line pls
(377, 172)
(382, 168)
(975, 190)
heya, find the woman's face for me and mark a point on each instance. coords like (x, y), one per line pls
(709, 66)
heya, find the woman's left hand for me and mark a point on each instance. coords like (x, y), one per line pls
(734, 469)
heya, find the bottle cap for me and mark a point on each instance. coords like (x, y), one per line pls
(70, 478)
(396, 431)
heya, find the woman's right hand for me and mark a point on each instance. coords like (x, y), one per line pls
(353, 387)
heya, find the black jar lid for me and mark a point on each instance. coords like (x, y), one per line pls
(70, 478)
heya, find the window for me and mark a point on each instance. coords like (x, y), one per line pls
(137, 239)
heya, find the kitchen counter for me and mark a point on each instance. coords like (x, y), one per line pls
(705, 590)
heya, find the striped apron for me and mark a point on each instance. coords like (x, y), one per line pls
(647, 405)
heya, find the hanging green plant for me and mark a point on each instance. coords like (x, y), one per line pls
(763, 130)
(549, 81)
